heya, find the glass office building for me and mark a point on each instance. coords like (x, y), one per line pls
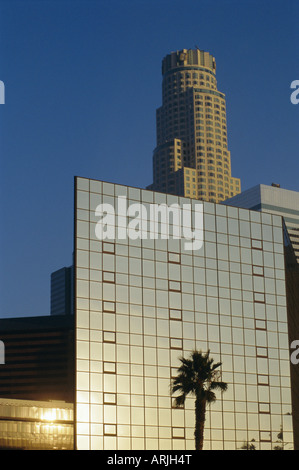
(143, 299)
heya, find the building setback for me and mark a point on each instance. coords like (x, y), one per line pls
(274, 200)
(191, 157)
(141, 303)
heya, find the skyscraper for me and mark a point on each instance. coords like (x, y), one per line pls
(191, 157)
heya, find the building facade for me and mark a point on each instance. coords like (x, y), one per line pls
(273, 200)
(192, 158)
(143, 299)
(36, 425)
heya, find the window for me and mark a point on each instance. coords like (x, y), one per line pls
(174, 257)
(260, 324)
(110, 430)
(259, 297)
(265, 436)
(256, 244)
(109, 307)
(175, 314)
(108, 336)
(258, 270)
(109, 367)
(109, 277)
(109, 398)
(174, 286)
(261, 352)
(178, 433)
(176, 343)
(108, 247)
(264, 408)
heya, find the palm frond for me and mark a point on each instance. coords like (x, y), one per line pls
(180, 400)
(210, 396)
(219, 386)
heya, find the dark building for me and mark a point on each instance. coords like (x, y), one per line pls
(38, 358)
(62, 291)
(292, 291)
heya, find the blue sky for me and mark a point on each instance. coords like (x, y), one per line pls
(82, 84)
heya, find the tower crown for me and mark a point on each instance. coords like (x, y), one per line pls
(188, 58)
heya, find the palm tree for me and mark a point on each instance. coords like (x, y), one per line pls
(198, 376)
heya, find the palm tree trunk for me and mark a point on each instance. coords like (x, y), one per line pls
(200, 417)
